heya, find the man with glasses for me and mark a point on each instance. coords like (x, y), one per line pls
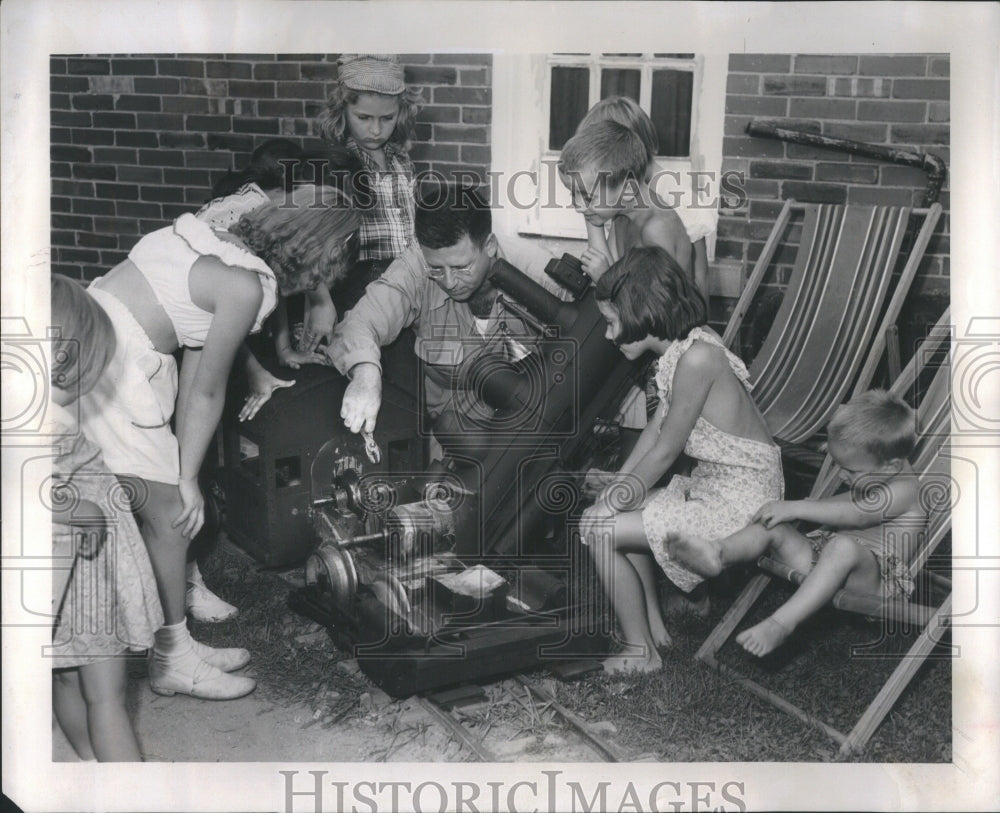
(440, 288)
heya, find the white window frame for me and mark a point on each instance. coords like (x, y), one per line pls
(532, 200)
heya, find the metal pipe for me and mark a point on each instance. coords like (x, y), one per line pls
(935, 167)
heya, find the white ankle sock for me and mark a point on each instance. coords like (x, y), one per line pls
(172, 645)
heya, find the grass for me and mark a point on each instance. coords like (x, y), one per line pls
(685, 712)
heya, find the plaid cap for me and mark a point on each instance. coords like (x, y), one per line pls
(371, 73)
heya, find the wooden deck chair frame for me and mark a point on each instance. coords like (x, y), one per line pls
(932, 461)
(828, 335)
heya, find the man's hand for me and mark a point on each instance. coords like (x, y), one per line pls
(775, 512)
(193, 516)
(362, 398)
(262, 384)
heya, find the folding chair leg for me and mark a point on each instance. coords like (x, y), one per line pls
(898, 681)
(736, 612)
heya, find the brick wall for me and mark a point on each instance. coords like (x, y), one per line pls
(139, 139)
(898, 100)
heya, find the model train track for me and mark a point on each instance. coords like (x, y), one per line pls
(478, 747)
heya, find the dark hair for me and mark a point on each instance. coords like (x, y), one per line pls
(447, 213)
(86, 340)
(653, 296)
(267, 168)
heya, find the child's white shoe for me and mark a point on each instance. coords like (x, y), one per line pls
(227, 659)
(198, 679)
(201, 603)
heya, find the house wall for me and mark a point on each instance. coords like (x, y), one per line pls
(137, 140)
(898, 100)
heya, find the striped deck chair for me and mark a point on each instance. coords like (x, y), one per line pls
(830, 330)
(931, 459)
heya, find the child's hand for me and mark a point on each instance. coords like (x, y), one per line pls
(775, 512)
(262, 384)
(296, 358)
(192, 517)
(595, 262)
(595, 481)
(596, 521)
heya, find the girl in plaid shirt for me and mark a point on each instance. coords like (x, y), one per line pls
(371, 112)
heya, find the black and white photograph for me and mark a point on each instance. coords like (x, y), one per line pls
(420, 406)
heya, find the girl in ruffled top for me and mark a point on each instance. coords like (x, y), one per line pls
(189, 285)
(705, 411)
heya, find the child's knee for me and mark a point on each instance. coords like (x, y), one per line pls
(841, 549)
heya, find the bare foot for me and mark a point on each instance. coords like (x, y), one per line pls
(702, 556)
(661, 638)
(652, 662)
(764, 637)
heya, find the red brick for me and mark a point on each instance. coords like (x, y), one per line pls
(457, 95)
(321, 72)
(260, 126)
(109, 259)
(118, 121)
(187, 177)
(921, 89)
(739, 83)
(180, 67)
(132, 138)
(470, 154)
(759, 63)
(185, 104)
(847, 173)
(271, 70)
(463, 133)
(94, 172)
(161, 158)
(477, 115)
(79, 255)
(836, 64)
(69, 84)
(59, 152)
(73, 188)
(744, 146)
(213, 124)
(90, 67)
(184, 141)
(301, 90)
(152, 84)
(71, 271)
(228, 70)
(891, 111)
(893, 65)
(920, 134)
(440, 113)
(135, 67)
(148, 104)
(430, 75)
(903, 176)
(63, 118)
(72, 222)
(814, 192)
(60, 170)
(162, 194)
(879, 196)
(281, 107)
(117, 191)
(252, 90)
(938, 112)
(780, 169)
(423, 151)
(940, 66)
(59, 204)
(136, 209)
(228, 141)
(736, 125)
(203, 87)
(860, 87)
(754, 188)
(94, 137)
(463, 59)
(474, 76)
(822, 108)
(114, 155)
(756, 106)
(801, 152)
(794, 86)
(766, 209)
(91, 102)
(91, 240)
(212, 160)
(57, 65)
(118, 225)
(61, 101)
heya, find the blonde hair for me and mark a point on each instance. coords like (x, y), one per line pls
(615, 152)
(306, 237)
(625, 111)
(881, 424)
(332, 121)
(85, 342)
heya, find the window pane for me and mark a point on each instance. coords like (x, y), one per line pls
(620, 82)
(671, 111)
(568, 104)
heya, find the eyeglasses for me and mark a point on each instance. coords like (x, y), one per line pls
(438, 272)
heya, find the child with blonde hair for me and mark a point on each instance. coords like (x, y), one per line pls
(107, 604)
(192, 286)
(863, 546)
(706, 412)
(372, 113)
